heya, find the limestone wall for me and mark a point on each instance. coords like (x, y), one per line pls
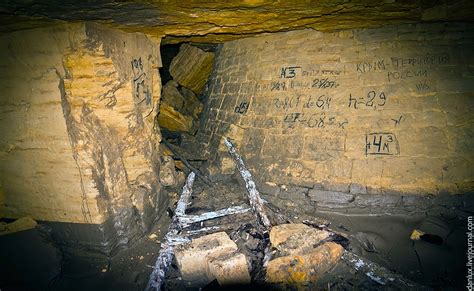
(387, 109)
(77, 104)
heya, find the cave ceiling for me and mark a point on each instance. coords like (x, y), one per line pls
(218, 21)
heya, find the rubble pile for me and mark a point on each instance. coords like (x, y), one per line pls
(211, 242)
(180, 106)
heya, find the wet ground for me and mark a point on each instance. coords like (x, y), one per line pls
(30, 261)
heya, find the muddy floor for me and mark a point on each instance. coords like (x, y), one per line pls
(29, 260)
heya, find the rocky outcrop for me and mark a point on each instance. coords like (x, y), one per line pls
(79, 141)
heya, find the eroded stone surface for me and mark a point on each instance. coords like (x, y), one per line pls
(77, 122)
(193, 259)
(229, 269)
(192, 67)
(304, 268)
(222, 21)
(296, 238)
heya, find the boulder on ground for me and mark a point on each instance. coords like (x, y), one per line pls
(304, 268)
(211, 257)
(296, 238)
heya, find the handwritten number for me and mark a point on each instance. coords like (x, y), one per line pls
(382, 97)
(370, 97)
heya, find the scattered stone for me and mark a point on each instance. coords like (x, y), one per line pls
(305, 268)
(171, 96)
(171, 119)
(416, 234)
(192, 105)
(168, 175)
(21, 224)
(191, 67)
(296, 238)
(193, 259)
(230, 269)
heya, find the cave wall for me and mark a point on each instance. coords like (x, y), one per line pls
(78, 143)
(370, 110)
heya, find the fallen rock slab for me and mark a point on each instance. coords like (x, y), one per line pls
(210, 257)
(298, 238)
(191, 67)
(304, 268)
(172, 120)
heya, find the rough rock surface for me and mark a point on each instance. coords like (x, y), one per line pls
(77, 122)
(211, 21)
(296, 238)
(171, 96)
(230, 269)
(171, 119)
(168, 175)
(193, 260)
(305, 268)
(179, 108)
(192, 67)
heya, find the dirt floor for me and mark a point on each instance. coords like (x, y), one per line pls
(30, 261)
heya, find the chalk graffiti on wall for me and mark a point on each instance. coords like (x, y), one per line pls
(289, 72)
(242, 108)
(316, 120)
(141, 90)
(371, 100)
(381, 143)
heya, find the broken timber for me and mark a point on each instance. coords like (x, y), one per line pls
(255, 200)
(172, 239)
(379, 274)
(189, 219)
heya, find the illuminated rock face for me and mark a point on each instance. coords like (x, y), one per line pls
(218, 21)
(379, 109)
(78, 141)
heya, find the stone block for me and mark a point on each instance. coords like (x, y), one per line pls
(192, 105)
(192, 67)
(173, 120)
(322, 197)
(336, 187)
(304, 268)
(296, 238)
(171, 95)
(168, 175)
(229, 269)
(193, 259)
